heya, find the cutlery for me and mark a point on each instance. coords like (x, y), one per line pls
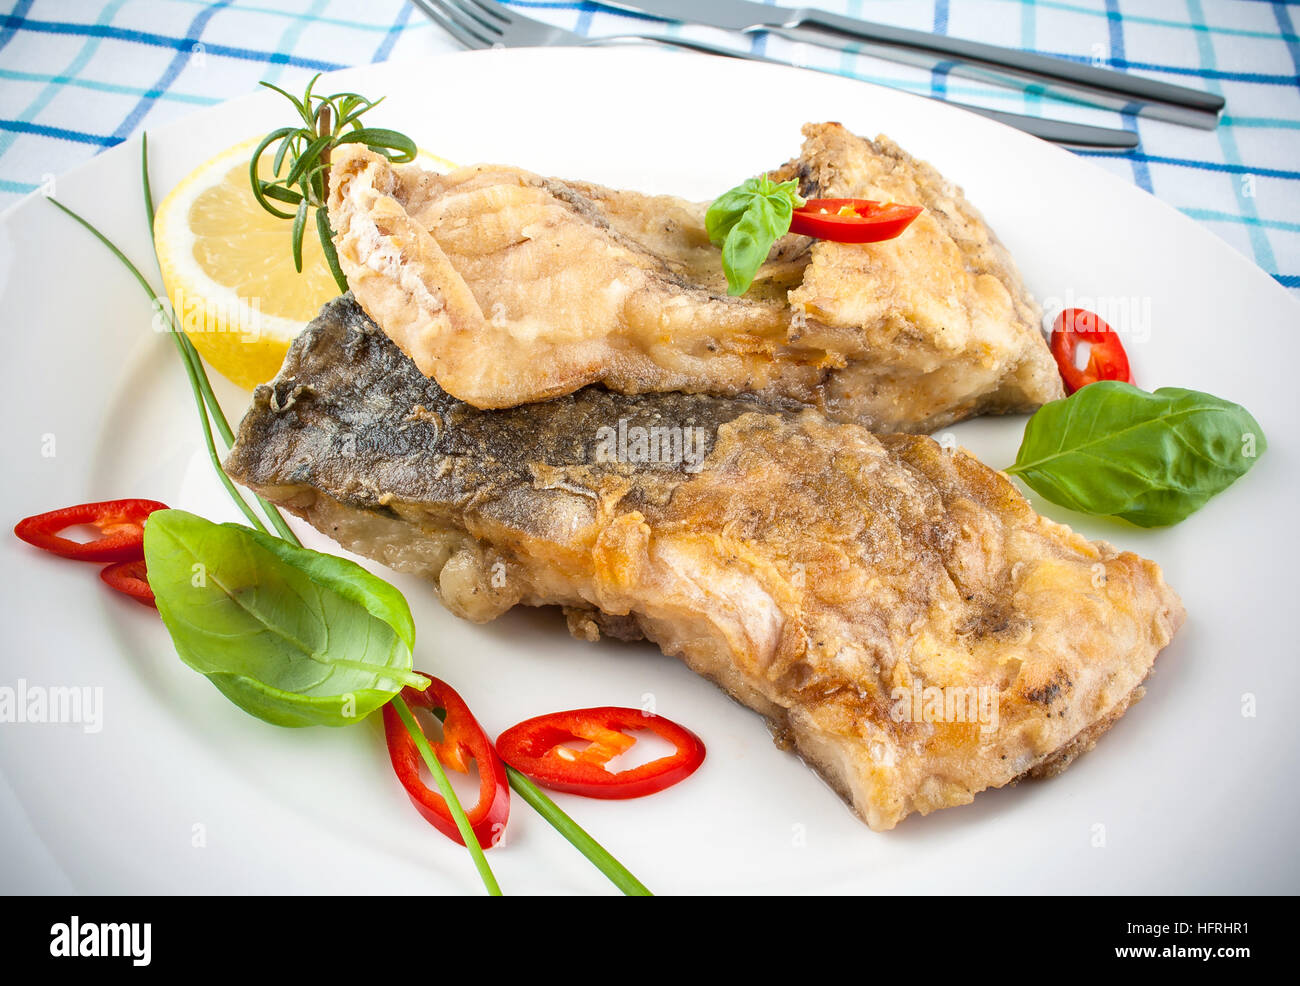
(479, 24)
(1055, 76)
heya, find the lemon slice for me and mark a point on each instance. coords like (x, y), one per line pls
(227, 266)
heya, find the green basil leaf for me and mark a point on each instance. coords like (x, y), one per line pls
(727, 209)
(744, 223)
(748, 244)
(292, 636)
(1151, 458)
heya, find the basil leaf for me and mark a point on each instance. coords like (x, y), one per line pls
(745, 221)
(1151, 458)
(292, 636)
(727, 209)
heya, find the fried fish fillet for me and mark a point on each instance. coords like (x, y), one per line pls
(839, 583)
(508, 287)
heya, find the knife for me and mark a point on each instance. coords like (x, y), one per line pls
(1078, 135)
(1054, 76)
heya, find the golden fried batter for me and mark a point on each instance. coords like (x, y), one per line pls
(509, 288)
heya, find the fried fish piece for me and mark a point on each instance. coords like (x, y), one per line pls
(896, 610)
(508, 287)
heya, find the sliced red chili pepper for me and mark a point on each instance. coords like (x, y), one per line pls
(1106, 357)
(536, 747)
(120, 522)
(852, 220)
(129, 578)
(462, 739)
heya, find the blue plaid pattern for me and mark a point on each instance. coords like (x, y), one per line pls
(77, 76)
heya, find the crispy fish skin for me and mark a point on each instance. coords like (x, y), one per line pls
(820, 574)
(508, 288)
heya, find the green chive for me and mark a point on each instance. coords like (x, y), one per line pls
(194, 386)
(444, 786)
(618, 874)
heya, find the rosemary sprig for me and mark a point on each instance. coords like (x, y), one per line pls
(301, 164)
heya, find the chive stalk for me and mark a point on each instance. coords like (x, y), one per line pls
(618, 874)
(198, 396)
(194, 364)
(444, 786)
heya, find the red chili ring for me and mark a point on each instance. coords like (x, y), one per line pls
(1106, 357)
(130, 579)
(120, 522)
(534, 746)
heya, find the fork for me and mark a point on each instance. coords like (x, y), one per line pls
(479, 24)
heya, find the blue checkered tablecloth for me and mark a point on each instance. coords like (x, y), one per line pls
(77, 76)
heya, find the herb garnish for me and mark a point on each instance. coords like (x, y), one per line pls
(746, 221)
(1152, 458)
(301, 165)
(292, 636)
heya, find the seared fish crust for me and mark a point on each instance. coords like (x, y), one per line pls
(832, 580)
(508, 288)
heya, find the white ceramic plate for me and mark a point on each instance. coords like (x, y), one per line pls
(180, 791)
